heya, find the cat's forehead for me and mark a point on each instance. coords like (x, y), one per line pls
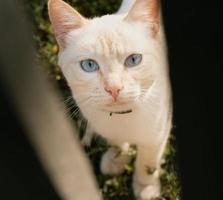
(109, 35)
(113, 27)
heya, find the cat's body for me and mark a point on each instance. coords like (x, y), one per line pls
(118, 84)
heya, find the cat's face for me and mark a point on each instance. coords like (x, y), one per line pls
(109, 62)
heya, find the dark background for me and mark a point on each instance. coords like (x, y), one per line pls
(194, 36)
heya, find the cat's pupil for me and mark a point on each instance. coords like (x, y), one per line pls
(90, 64)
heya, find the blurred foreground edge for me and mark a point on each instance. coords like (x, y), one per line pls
(30, 108)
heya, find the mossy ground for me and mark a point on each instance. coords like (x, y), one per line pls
(112, 188)
(119, 187)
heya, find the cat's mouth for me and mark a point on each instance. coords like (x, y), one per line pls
(121, 112)
(118, 112)
(119, 108)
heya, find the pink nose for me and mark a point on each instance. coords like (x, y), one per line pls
(113, 91)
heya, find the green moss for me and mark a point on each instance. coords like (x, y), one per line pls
(120, 188)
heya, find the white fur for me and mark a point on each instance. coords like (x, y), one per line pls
(110, 40)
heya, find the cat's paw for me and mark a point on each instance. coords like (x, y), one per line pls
(146, 192)
(113, 162)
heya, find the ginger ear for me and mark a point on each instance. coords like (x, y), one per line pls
(146, 11)
(64, 19)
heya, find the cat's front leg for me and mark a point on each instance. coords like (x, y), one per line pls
(146, 181)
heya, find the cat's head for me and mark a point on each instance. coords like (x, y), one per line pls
(110, 61)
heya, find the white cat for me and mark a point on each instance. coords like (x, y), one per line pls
(116, 68)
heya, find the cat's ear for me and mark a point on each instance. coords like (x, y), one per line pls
(147, 11)
(64, 19)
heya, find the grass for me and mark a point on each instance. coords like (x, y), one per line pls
(112, 188)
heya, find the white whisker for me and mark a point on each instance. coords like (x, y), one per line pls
(75, 112)
(68, 99)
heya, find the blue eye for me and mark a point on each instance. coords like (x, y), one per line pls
(133, 60)
(89, 65)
